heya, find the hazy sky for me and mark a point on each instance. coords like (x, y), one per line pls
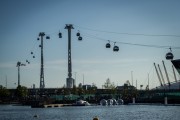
(22, 20)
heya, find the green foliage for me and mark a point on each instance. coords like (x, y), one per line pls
(4, 92)
(21, 91)
(108, 84)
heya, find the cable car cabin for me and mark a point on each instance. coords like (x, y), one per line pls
(116, 48)
(60, 35)
(47, 37)
(39, 45)
(33, 56)
(79, 38)
(31, 52)
(169, 56)
(37, 38)
(26, 60)
(108, 45)
(23, 64)
(78, 34)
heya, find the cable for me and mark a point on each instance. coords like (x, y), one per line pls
(143, 45)
(125, 33)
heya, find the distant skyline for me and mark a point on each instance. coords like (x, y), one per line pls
(98, 21)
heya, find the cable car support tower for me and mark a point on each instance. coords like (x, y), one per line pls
(42, 84)
(19, 64)
(69, 80)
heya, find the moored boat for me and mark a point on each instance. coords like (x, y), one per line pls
(81, 103)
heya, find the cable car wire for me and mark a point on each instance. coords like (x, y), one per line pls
(135, 44)
(126, 33)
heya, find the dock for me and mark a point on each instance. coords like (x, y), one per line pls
(53, 105)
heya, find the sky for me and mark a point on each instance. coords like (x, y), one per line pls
(123, 21)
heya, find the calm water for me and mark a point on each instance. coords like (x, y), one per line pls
(124, 112)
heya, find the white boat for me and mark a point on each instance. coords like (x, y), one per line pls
(114, 102)
(110, 101)
(120, 102)
(81, 103)
(103, 102)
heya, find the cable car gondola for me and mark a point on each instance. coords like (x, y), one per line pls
(47, 37)
(79, 38)
(27, 62)
(78, 34)
(33, 56)
(31, 52)
(60, 35)
(108, 45)
(115, 48)
(169, 55)
(37, 38)
(39, 45)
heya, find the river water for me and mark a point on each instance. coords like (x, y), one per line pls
(122, 112)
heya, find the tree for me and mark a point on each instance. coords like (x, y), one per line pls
(21, 91)
(92, 89)
(108, 84)
(4, 92)
(94, 85)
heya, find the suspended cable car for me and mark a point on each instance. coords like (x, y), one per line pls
(37, 38)
(79, 38)
(23, 64)
(27, 61)
(33, 56)
(60, 35)
(115, 48)
(169, 55)
(47, 37)
(31, 52)
(108, 45)
(39, 45)
(78, 34)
